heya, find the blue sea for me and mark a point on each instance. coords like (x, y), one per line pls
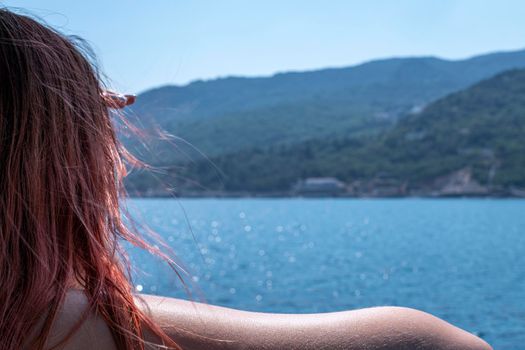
(460, 259)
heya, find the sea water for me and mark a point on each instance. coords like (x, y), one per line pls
(460, 259)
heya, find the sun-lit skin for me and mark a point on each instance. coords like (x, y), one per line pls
(116, 100)
(201, 326)
(62, 226)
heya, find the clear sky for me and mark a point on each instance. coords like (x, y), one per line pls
(144, 44)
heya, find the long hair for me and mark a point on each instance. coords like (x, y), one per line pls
(61, 173)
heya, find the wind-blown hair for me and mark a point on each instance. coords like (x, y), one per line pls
(61, 173)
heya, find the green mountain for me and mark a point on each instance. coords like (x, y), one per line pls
(470, 139)
(231, 114)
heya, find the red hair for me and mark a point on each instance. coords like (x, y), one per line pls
(61, 172)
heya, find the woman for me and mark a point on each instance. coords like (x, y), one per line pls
(63, 281)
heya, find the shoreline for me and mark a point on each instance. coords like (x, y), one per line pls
(289, 196)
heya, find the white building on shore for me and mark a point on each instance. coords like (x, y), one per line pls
(319, 186)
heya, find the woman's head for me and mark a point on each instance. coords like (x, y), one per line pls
(61, 176)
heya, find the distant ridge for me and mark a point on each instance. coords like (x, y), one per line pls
(320, 118)
(490, 55)
(229, 114)
(467, 143)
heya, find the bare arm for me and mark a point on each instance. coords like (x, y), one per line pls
(200, 326)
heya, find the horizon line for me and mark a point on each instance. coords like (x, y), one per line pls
(326, 68)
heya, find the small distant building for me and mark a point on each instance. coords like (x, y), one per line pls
(319, 186)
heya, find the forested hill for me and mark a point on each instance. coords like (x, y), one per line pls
(473, 138)
(231, 114)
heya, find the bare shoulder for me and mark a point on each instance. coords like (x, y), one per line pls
(201, 326)
(92, 334)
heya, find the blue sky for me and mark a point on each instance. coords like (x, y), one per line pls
(143, 44)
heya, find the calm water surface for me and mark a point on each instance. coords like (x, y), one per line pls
(462, 260)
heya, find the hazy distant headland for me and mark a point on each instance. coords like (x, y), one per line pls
(394, 127)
